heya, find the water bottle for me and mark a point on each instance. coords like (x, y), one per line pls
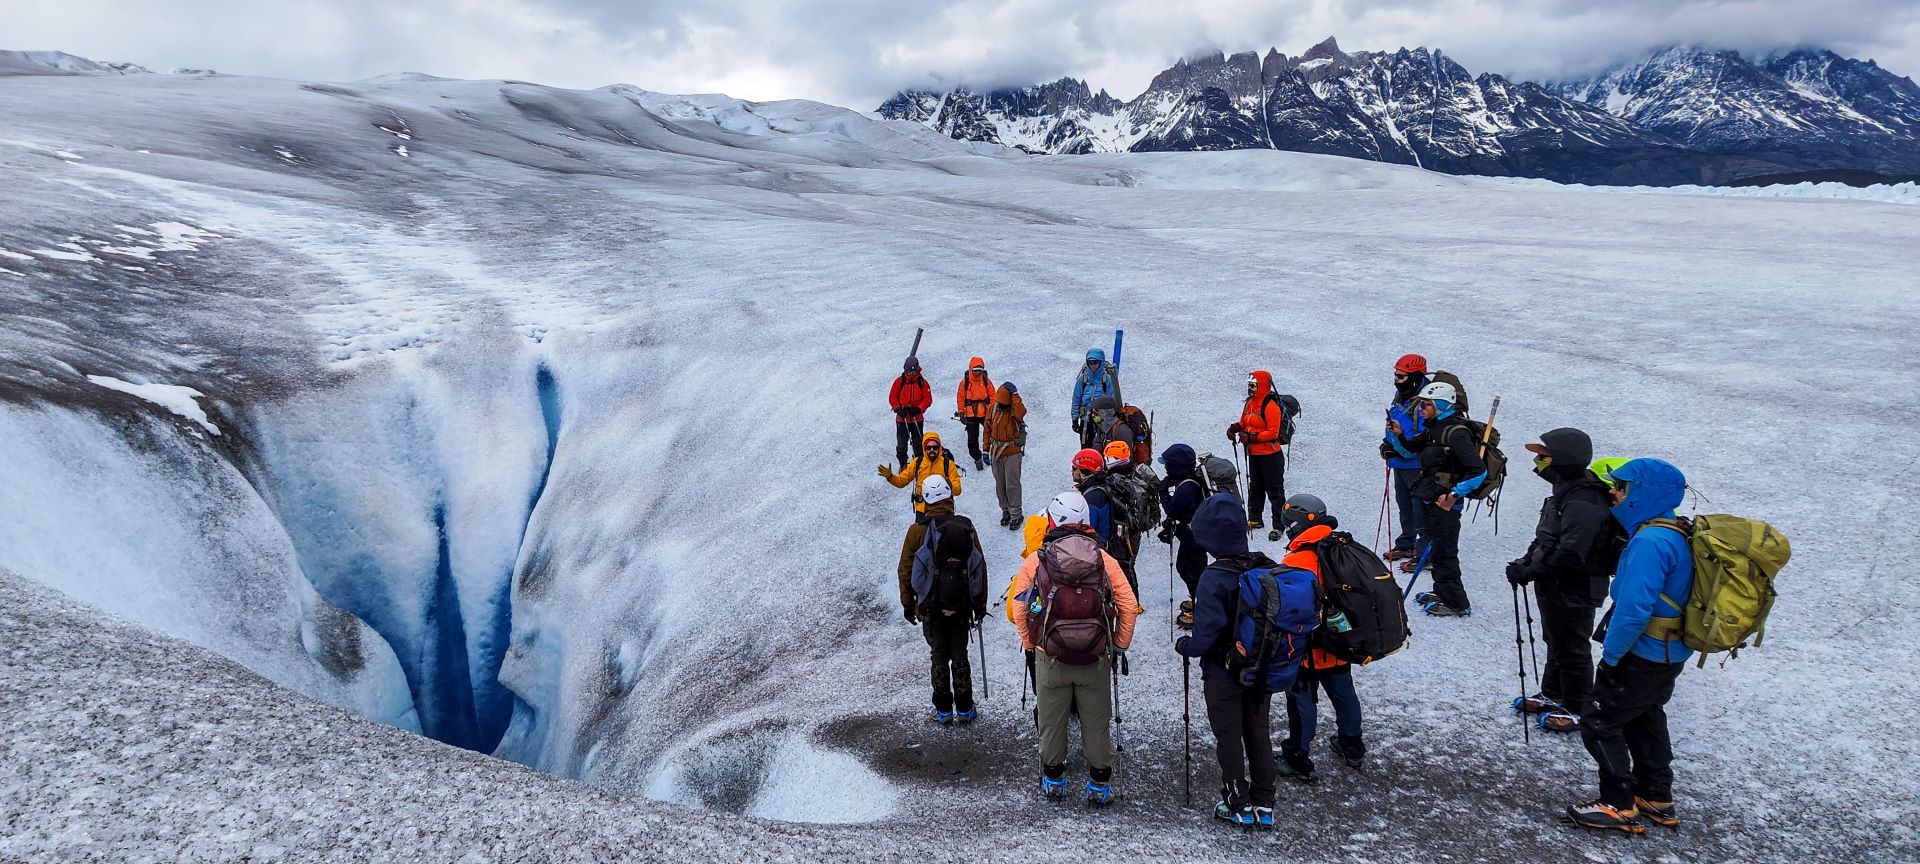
(1338, 623)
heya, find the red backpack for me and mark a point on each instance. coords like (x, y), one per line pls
(1071, 616)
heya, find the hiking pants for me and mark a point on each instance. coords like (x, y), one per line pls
(973, 425)
(1411, 513)
(1190, 562)
(1006, 483)
(907, 436)
(1242, 734)
(952, 674)
(1061, 686)
(1568, 678)
(1303, 706)
(1266, 478)
(1625, 728)
(1443, 556)
(1121, 545)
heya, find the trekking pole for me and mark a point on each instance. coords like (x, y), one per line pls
(986, 691)
(1379, 529)
(1418, 568)
(1520, 657)
(1186, 717)
(1526, 602)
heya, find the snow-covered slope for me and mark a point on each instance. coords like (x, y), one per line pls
(547, 422)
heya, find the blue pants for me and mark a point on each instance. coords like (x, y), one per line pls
(1411, 518)
(1303, 706)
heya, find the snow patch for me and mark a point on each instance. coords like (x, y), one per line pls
(8, 253)
(173, 397)
(57, 255)
(68, 154)
(774, 776)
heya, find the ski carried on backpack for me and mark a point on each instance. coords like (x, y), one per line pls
(917, 333)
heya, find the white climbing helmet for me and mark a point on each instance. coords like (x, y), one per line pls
(936, 489)
(1439, 391)
(1067, 508)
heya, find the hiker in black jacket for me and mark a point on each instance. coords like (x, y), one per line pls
(1450, 469)
(1573, 554)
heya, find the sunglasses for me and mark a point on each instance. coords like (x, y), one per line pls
(979, 368)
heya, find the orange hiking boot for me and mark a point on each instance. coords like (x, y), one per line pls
(1660, 813)
(1598, 815)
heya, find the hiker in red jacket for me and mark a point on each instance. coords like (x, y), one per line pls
(910, 398)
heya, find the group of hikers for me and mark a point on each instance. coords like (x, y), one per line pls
(1297, 626)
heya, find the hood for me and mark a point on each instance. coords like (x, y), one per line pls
(1220, 526)
(975, 361)
(1571, 450)
(933, 437)
(942, 507)
(1095, 354)
(1654, 488)
(1312, 535)
(1179, 460)
(1004, 395)
(1262, 384)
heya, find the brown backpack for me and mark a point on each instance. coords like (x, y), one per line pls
(1072, 615)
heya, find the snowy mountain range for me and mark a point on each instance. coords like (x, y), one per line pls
(1682, 115)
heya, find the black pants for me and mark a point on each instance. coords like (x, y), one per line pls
(1121, 545)
(1243, 736)
(1625, 728)
(1190, 562)
(905, 436)
(973, 425)
(1568, 678)
(1443, 556)
(952, 674)
(1266, 478)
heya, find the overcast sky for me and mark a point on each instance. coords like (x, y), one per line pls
(857, 52)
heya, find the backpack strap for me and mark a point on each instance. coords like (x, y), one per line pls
(1667, 627)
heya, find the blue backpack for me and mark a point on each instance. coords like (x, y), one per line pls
(1278, 607)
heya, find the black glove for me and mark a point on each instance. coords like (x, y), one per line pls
(1606, 676)
(1387, 451)
(1180, 645)
(1517, 572)
(1076, 426)
(979, 617)
(1166, 533)
(908, 613)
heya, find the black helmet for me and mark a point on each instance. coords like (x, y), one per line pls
(1304, 511)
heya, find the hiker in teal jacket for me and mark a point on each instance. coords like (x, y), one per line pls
(1625, 726)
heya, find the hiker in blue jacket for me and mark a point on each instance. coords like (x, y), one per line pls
(1094, 381)
(1240, 715)
(1400, 445)
(1641, 655)
(1179, 499)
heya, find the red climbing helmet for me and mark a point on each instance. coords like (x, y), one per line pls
(1410, 363)
(1088, 460)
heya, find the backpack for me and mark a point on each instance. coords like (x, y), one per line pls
(1491, 454)
(1734, 563)
(1141, 430)
(1356, 584)
(1289, 409)
(1277, 608)
(949, 571)
(1071, 615)
(1144, 473)
(1459, 389)
(1134, 501)
(1216, 474)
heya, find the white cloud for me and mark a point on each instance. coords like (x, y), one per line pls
(856, 52)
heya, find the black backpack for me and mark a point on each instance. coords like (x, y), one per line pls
(1442, 376)
(1495, 460)
(1356, 584)
(958, 573)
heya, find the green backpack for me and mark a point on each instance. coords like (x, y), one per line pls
(1734, 563)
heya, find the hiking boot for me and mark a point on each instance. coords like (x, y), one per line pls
(1597, 815)
(1560, 721)
(1053, 788)
(1438, 609)
(1299, 766)
(1263, 818)
(1225, 813)
(1538, 703)
(1273, 536)
(1255, 524)
(1099, 794)
(979, 466)
(1397, 554)
(1006, 517)
(1185, 619)
(944, 718)
(964, 717)
(1407, 564)
(1424, 597)
(1660, 813)
(1350, 750)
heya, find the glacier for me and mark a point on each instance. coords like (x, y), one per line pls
(546, 423)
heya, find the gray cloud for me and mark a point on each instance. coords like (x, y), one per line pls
(856, 52)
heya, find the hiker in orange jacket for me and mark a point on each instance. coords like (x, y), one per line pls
(1307, 522)
(1258, 430)
(909, 397)
(1006, 436)
(973, 400)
